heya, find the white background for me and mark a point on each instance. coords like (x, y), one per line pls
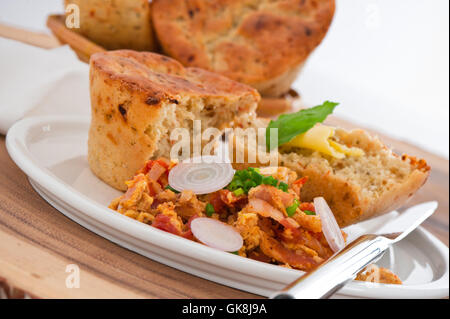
(386, 61)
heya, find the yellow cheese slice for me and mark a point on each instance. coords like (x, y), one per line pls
(318, 139)
(349, 151)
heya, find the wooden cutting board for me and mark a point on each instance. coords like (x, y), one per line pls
(37, 243)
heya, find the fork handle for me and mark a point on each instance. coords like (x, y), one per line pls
(340, 268)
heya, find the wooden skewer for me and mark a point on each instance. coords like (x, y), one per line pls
(81, 45)
(38, 39)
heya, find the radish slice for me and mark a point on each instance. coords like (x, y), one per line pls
(202, 175)
(330, 227)
(215, 234)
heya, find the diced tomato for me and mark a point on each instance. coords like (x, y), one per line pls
(164, 163)
(163, 222)
(216, 201)
(164, 176)
(188, 233)
(148, 166)
(307, 206)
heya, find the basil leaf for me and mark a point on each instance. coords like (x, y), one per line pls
(291, 125)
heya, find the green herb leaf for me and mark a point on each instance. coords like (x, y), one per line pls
(308, 212)
(270, 180)
(238, 192)
(172, 189)
(209, 210)
(290, 210)
(283, 186)
(244, 180)
(291, 125)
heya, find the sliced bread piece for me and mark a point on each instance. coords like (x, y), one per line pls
(138, 98)
(356, 188)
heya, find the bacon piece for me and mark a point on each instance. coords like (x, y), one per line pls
(163, 222)
(215, 199)
(297, 259)
(294, 237)
(274, 196)
(289, 223)
(188, 233)
(264, 209)
(156, 171)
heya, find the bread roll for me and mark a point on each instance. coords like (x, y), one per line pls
(138, 98)
(116, 24)
(257, 42)
(356, 188)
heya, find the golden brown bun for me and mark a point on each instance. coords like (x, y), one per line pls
(260, 43)
(116, 24)
(356, 188)
(138, 98)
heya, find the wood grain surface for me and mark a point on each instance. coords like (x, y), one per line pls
(37, 242)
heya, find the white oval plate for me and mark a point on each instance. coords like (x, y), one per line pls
(52, 152)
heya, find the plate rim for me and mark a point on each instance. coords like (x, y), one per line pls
(22, 156)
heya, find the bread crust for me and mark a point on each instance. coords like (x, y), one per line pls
(118, 24)
(132, 94)
(348, 200)
(257, 42)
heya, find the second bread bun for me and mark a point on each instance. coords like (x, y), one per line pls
(116, 24)
(356, 188)
(260, 43)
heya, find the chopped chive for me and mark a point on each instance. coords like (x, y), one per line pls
(283, 186)
(238, 192)
(308, 212)
(249, 184)
(172, 189)
(270, 180)
(293, 208)
(244, 180)
(257, 178)
(235, 252)
(209, 209)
